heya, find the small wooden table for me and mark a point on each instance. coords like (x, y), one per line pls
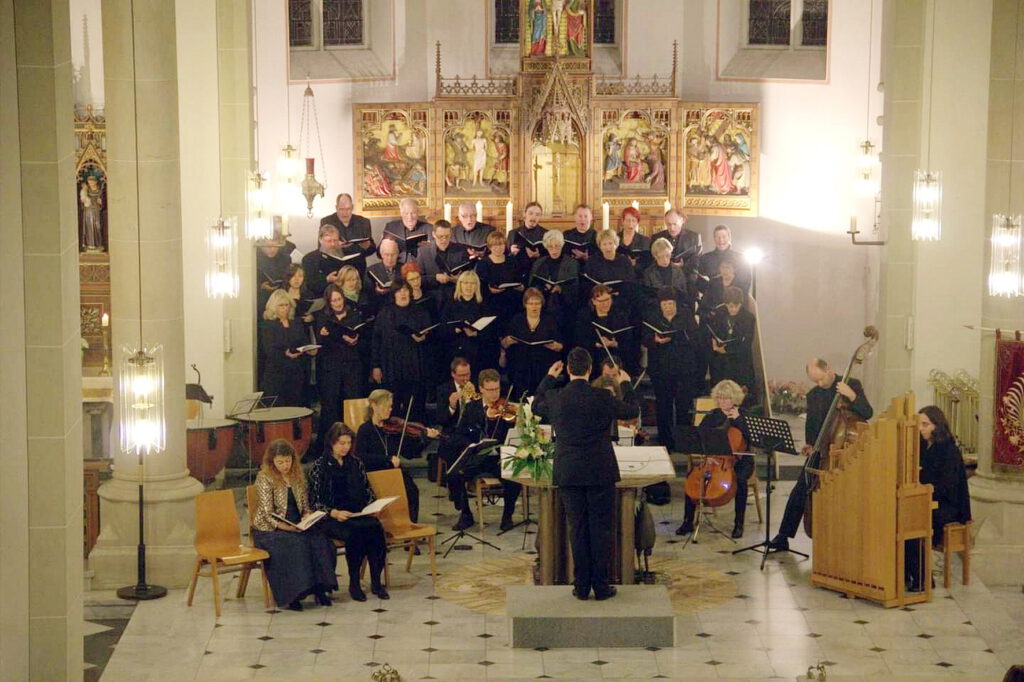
(639, 466)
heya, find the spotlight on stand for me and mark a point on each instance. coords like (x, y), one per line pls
(753, 256)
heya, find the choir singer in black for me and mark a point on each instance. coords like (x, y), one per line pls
(585, 469)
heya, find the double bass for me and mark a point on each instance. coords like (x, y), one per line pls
(839, 427)
(713, 481)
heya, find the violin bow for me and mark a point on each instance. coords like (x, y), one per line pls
(610, 356)
(494, 429)
(405, 425)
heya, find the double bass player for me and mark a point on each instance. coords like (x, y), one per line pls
(819, 400)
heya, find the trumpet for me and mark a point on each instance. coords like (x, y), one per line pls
(468, 392)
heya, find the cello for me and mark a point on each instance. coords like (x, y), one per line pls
(712, 483)
(838, 429)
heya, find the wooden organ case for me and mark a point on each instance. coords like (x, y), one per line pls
(871, 510)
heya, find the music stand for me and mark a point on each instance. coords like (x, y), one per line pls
(468, 454)
(712, 442)
(771, 435)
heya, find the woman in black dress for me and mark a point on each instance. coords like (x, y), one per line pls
(528, 360)
(339, 487)
(556, 275)
(433, 348)
(942, 466)
(379, 444)
(285, 369)
(358, 299)
(731, 338)
(339, 377)
(604, 328)
(500, 279)
(466, 307)
(664, 273)
(301, 562)
(399, 361)
(714, 296)
(611, 268)
(633, 245)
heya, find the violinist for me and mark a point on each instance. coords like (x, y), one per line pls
(728, 395)
(382, 439)
(819, 399)
(488, 416)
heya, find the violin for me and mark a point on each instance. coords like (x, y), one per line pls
(397, 425)
(502, 409)
(713, 480)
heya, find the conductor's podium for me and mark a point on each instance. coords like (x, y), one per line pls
(639, 466)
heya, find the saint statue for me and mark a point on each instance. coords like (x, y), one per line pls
(539, 22)
(576, 27)
(90, 197)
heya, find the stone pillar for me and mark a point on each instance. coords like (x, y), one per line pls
(140, 58)
(997, 498)
(40, 376)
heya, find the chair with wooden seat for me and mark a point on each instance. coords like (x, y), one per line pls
(400, 530)
(480, 488)
(701, 407)
(956, 537)
(354, 412)
(218, 543)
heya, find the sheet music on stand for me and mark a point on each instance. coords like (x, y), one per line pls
(251, 402)
(771, 434)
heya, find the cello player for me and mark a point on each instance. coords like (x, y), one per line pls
(728, 394)
(819, 399)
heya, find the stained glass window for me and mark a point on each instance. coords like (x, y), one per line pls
(343, 22)
(300, 23)
(506, 21)
(769, 22)
(815, 23)
(604, 22)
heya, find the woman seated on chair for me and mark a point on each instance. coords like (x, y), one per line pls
(380, 439)
(339, 487)
(728, 394)
(942, 466)
(301, 562)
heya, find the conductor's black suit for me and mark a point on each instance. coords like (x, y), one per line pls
(585, 470)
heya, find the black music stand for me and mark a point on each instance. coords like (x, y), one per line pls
(712, 442)
(771, 435)
(470, 453)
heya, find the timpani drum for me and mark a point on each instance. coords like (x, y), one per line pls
(208, 444)
(265, 425)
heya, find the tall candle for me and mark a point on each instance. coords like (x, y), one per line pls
(480, 211)
(668, 205)
(605, 215)
(635, 204)
(105, 320)
(447, 211)
(508, 217)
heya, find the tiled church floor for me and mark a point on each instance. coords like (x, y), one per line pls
(771, 625)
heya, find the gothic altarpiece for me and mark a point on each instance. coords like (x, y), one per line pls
(559, 134)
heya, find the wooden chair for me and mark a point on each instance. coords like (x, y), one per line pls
(479, 488)
(956, 537)
(354, 412)
(400, 530)
(702, 406)
(219, 545)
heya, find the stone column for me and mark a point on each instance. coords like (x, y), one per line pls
(997, 497)
(140, 57)
(40, 375)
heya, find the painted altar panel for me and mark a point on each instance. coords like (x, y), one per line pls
(720, 152)
(634, 152)
(478, 153)
(394, 155)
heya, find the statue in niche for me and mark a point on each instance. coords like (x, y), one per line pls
(576, 27)
(476, 158)
(612, 157)
(632, 166)
(500, 161)
(479, 145)
(655, 177)
(92, 210)
(538, 29)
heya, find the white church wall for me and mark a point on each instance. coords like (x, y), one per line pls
(809, 142)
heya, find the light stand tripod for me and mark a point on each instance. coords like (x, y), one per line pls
(771, 435)
(459, 464)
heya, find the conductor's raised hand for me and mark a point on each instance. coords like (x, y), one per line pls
(556, 369)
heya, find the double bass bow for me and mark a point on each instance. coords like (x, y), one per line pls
(838, 428)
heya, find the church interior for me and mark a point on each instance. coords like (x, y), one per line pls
(193, 191)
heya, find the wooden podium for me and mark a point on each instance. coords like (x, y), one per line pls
(638, 467)
(869, 504)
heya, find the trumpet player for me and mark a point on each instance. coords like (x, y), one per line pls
(452, 397)
(487, 415)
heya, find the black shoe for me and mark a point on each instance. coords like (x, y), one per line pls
(779, 543)
(356, 592)
(506, 523)
(322, 599)
(685, 528)
(580, 594)
(380, 591)
(737, 531)
(295, 606)
(465, 521)
(601, 595)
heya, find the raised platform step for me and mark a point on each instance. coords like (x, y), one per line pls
(549, 616)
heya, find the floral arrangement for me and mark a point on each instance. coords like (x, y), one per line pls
(535, 450)
(788, 397)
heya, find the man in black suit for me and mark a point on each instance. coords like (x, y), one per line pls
(322, 265)
(442, 261)
(686, 244)
(409, 232)
(585, 469)
(710, 261)
(819, 399)
(354, 231)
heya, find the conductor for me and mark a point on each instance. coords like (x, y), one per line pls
(585, 468)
